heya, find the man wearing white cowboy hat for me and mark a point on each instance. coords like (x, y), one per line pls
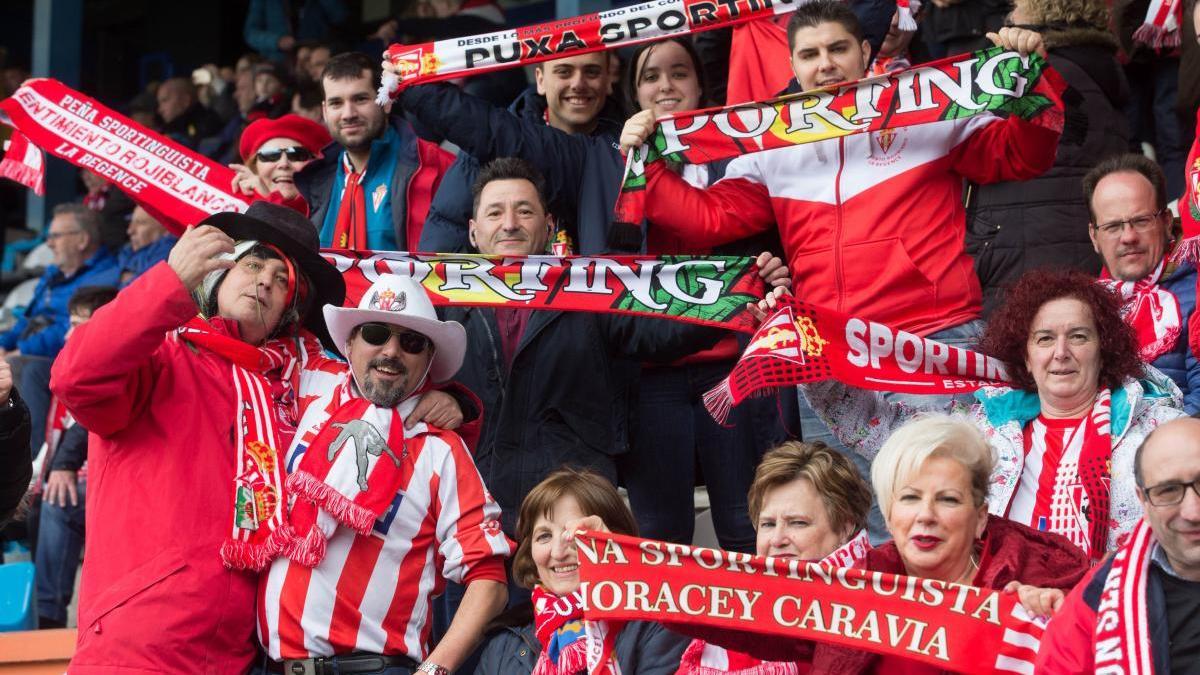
(383, 515)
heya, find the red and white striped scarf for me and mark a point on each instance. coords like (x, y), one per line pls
(571, 644)
(352, 471)
(1095, 459)
(350, 229)
(703, 658)
(1151, 310)
(1122, 637)
(1160, 28)
(265, 416)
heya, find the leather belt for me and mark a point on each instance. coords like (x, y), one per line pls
(340, 665)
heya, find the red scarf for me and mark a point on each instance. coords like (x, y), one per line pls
(1095, 472)
(571, 644)
(1152, 311)
(23, 161)
(353, 485)
(946, 625)
(1122, 637)
(702, 658)
(350, 230)
(265, 416)
(805, 343)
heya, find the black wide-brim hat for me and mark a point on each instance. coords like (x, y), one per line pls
(296, 237)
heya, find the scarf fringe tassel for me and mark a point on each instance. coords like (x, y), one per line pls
(22, 173)
(352, 515)
(719, 401)
(1156, 36)
(247, 555)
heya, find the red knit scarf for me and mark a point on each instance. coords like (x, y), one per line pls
(703, 658)
(1152, 311)
(351, 471)
(265, 416)
(350, 230)
(1122, 637)
(1095, 459)
(571, 644)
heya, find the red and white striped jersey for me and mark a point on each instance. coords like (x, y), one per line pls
(372, 593)
(1050, 496)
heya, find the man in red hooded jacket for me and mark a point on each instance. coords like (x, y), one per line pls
(185, 411)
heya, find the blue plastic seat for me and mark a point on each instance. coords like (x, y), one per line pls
(17, 611)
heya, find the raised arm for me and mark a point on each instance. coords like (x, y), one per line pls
(487, 132)
(107, 372)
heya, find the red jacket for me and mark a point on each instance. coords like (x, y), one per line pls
(155, 596)
(872, 223)
(1011, 552)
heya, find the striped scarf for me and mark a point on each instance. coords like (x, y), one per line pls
(1151, 310)
(265, 415)
(1122, 637)
(571, 644)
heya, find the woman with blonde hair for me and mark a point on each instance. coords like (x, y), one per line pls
(931, 478)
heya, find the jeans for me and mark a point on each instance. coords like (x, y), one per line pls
(673, 434)
(56, 560)
(814, 429)
(32, 376)
(1154, 87)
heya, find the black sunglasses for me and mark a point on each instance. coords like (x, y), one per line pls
(378, 334)
(294, 153)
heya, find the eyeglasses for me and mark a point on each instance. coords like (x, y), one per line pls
(294, 154)
(51, 236)
(378, 334)
(1139, 224)
(1170, 494)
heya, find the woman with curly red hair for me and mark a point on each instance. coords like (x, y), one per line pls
(1065, 432)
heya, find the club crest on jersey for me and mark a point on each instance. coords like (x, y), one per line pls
(887, 144)
(377, 197)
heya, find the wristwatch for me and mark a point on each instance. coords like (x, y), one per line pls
(432, 668)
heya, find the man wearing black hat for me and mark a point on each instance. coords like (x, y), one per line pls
(184, 382)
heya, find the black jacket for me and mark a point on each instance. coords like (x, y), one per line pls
(642, 647)
(1013, 227)
(16, 467)
(583, 173)
(194, 125)
(569, 395)
(446, 226)
(72, 450)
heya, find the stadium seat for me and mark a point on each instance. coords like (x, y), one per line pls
(17, 611)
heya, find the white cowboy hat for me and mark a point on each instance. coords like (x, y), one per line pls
(400, 301)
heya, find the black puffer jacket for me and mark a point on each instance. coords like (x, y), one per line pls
(1017, 226)
(568, 396)
(15, 467)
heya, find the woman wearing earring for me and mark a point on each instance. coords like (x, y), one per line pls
(931, 478)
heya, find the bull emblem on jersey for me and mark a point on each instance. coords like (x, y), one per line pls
(367, 441)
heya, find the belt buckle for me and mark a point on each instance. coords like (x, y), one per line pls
(301, 667)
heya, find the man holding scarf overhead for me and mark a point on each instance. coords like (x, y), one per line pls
(1131, 229)
(190, 413)
(383, 513)
(1135, 613)
(872, 223)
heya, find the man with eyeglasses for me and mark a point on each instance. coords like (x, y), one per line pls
(1132, 231)
(387, 514)
(38, 335)
(1150, 589)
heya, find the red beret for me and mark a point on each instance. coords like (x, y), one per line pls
(311, 135)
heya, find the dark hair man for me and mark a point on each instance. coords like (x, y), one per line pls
(372, 187)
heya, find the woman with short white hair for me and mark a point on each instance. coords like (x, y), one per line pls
(931, 478)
